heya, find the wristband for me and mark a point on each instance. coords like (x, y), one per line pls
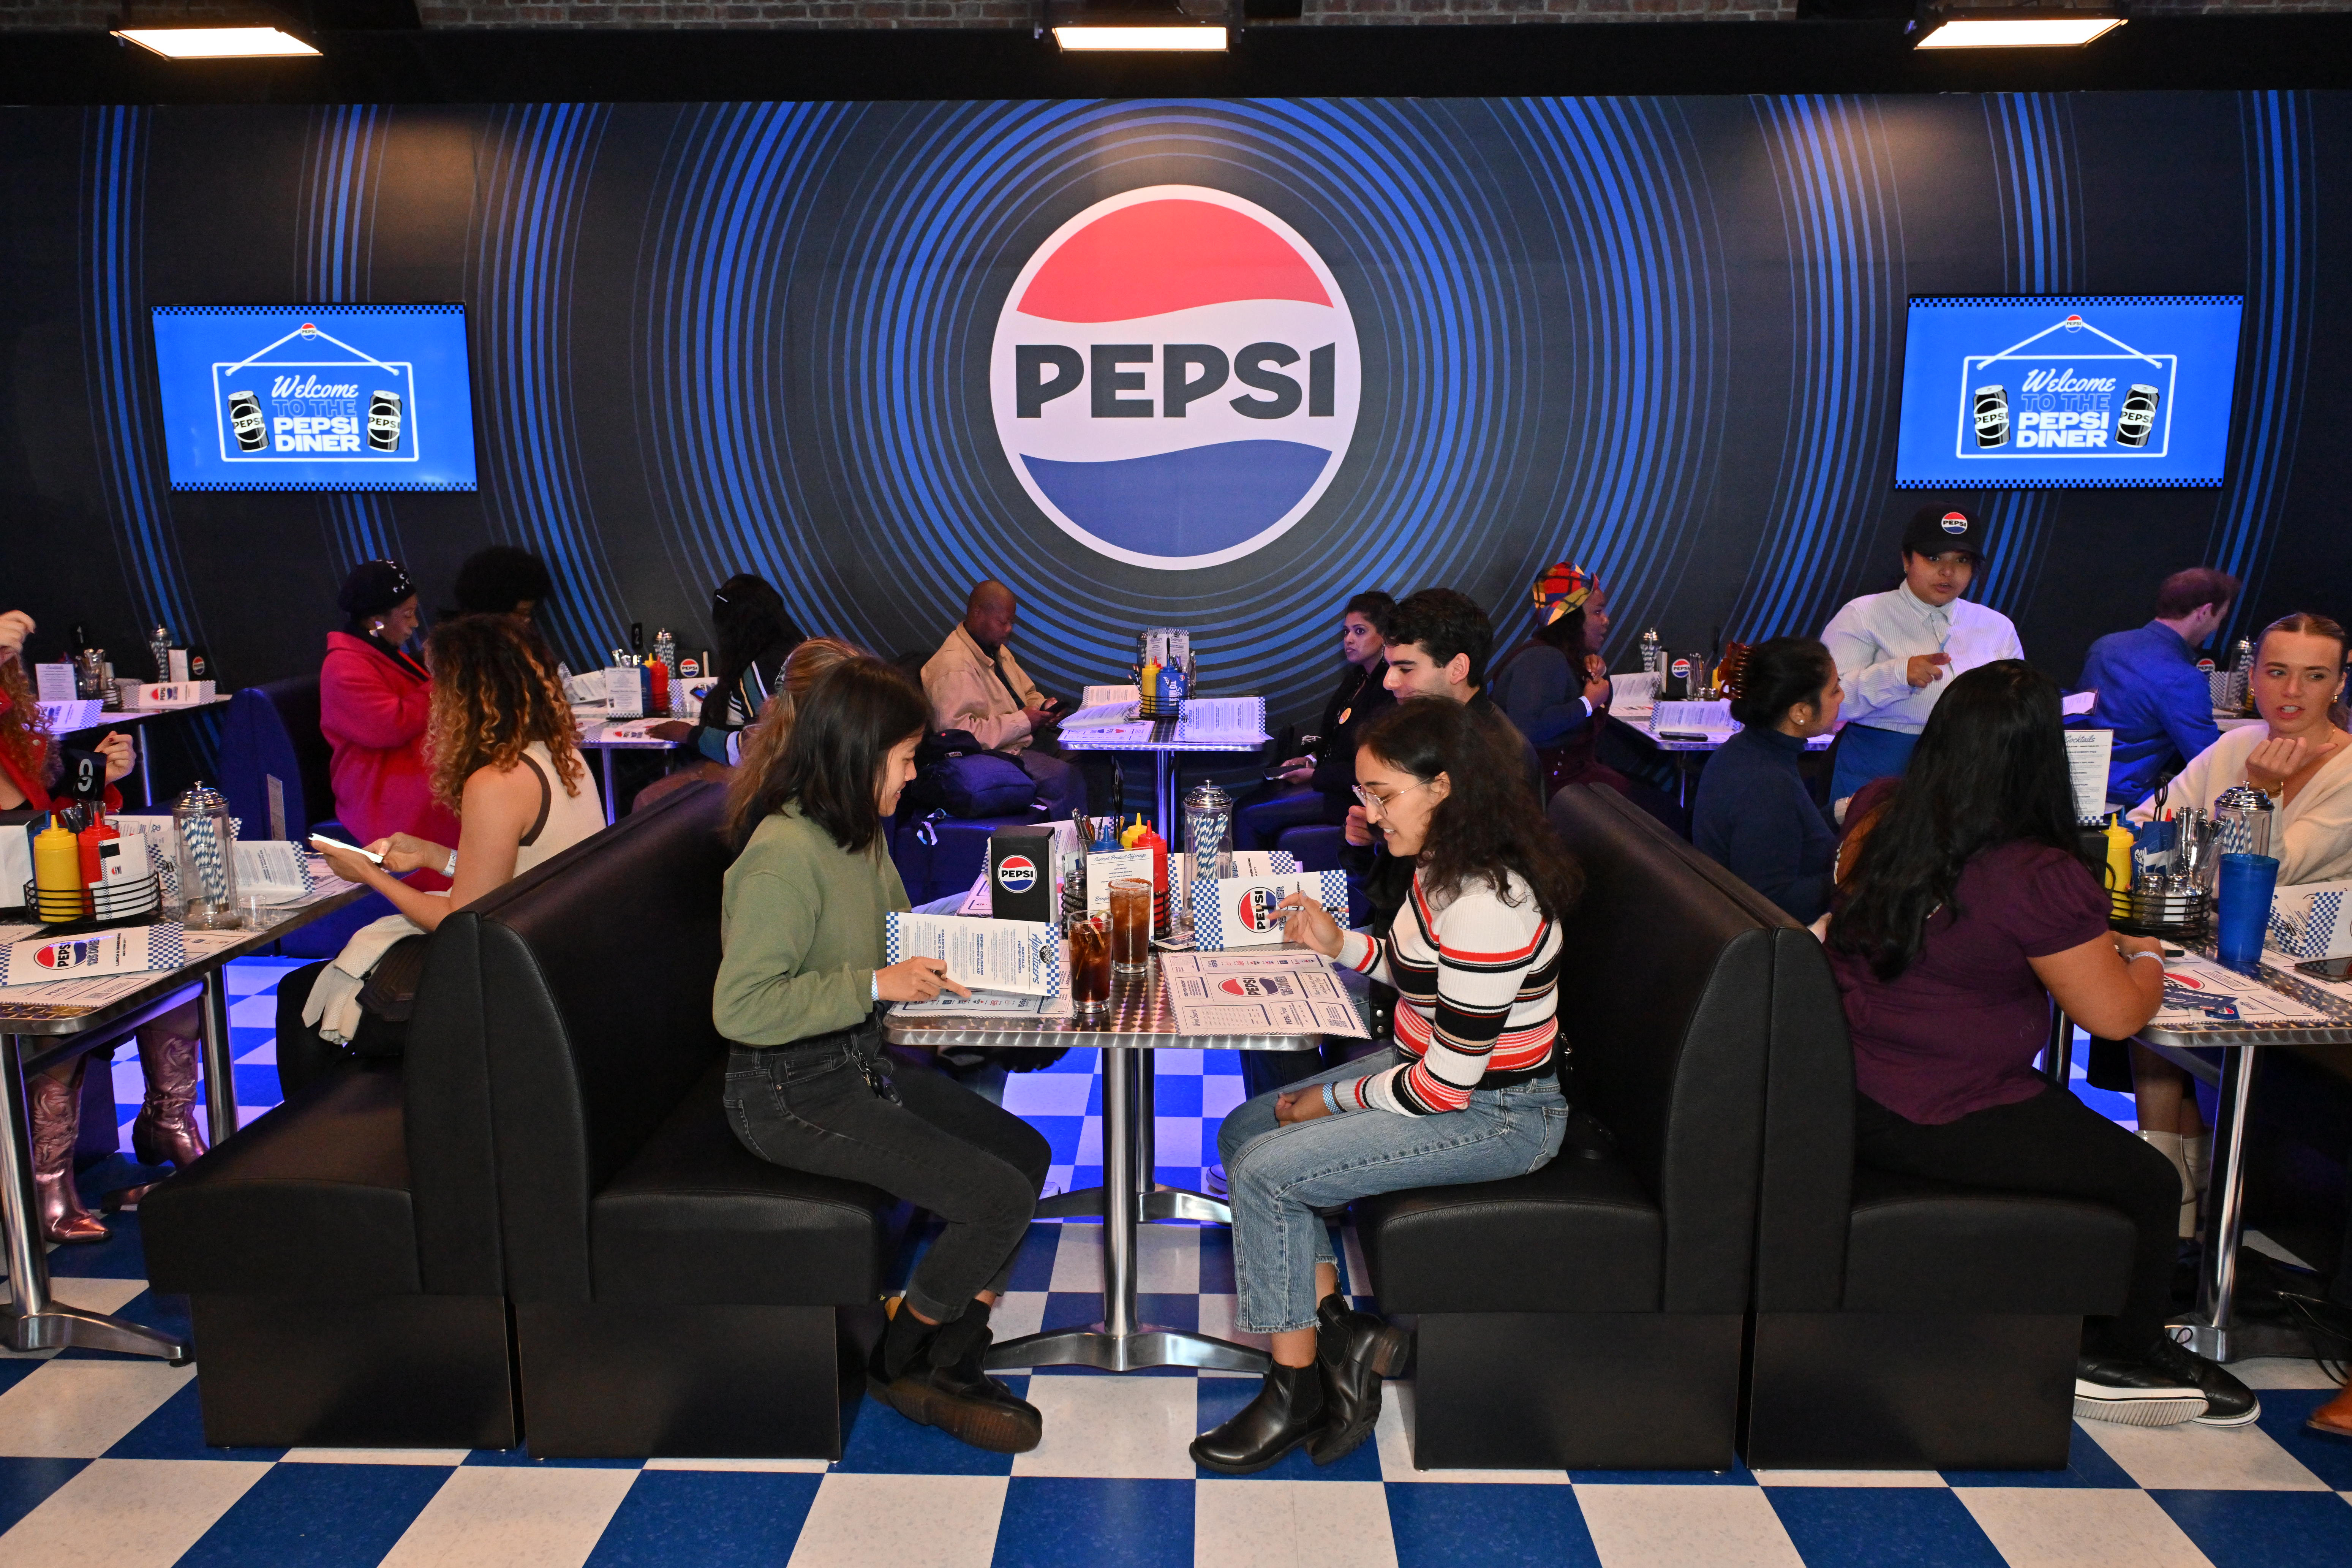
(2156, 957)
(874, 984)
(1331, 1099)
(451, 869)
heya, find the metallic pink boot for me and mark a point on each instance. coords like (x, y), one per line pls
(57, 1120)
(165, 1131)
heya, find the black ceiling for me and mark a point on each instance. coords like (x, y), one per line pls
(513, 65)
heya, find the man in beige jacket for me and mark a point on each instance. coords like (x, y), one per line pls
(976, 685)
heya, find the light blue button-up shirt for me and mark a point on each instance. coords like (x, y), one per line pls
(1873, 637)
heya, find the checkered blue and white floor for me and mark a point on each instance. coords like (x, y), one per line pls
(102, 1462)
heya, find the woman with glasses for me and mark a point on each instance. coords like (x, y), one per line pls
(1467, 1093)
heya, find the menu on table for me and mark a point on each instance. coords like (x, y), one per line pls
(2200, 991)
(1289, 992)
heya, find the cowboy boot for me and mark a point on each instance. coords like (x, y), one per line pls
(165, 1130)
(57, 1120)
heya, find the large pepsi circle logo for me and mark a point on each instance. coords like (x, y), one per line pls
(1016, 873)
(1175, 377)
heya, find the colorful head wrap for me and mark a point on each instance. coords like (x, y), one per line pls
(1562, 589)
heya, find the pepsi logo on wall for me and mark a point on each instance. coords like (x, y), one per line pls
(1175, 377)
(315, 396)
(2067, 392)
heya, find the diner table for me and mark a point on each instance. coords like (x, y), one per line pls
(605, 738)
(1167, 748)
(2229, 1055)
(134, 717)
(1140, 1022)
(36, 1033)
(1689, 755)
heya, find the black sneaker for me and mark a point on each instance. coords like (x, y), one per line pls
(2228, 1402)
(2135, 1391)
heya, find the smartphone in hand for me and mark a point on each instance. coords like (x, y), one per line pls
(346, 848)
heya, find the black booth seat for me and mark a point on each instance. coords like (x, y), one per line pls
(672, 1294)
(1902, 1323)
(1589, 1315)
(340, 1254)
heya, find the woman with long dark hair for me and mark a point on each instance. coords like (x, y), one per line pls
(1469, 1091)
(1754, 815)
(756, 635)
(1963, 908)
(801, 977)
(1314, 788)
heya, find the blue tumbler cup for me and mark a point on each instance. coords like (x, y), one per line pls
(2244, 896)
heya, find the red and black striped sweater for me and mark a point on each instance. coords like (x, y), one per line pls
(1477, 982)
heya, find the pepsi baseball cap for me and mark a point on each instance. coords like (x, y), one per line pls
(1937, 528)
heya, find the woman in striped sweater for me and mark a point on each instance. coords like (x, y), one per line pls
(1468, 1092)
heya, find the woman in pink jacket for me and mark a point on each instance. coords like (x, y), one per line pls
(373, 700)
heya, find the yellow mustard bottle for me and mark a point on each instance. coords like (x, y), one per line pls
(56, 873)
(2119, 855)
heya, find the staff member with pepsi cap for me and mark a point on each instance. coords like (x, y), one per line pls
(1898, 651)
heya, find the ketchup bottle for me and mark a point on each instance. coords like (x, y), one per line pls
(1148, 839)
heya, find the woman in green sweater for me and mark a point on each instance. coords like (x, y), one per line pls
(800, 977)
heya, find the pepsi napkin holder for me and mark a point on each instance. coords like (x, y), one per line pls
(1021, 884)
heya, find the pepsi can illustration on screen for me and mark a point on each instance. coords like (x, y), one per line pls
(1992, 415)
(245, 422)
(383, 421)
(2136, 421)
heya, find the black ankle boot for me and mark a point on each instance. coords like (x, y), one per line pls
(1287, 1410)
(906, 1339)
(931, 1374)
(1354, 1351)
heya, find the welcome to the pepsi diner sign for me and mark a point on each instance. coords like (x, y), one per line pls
(2066, 391)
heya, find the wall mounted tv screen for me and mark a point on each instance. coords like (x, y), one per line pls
(2067, 392)
(315, 397)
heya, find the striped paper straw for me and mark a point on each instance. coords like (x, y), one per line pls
(204, 849)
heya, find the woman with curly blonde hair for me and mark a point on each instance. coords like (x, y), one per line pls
(505, 757)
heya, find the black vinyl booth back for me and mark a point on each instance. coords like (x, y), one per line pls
(1589, 1314)
(597, 1005)
(1669, 1054)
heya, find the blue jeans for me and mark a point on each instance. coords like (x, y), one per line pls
(1277, 1176)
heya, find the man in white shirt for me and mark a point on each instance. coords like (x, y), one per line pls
(975, 684)
(1898, 651)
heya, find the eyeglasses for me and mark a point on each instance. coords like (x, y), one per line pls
(1380, 803)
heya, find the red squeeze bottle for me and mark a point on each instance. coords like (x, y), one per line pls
(96, 864)
(1148, 839)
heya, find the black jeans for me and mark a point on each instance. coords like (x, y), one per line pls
(832, 1106)
(2053, 1144)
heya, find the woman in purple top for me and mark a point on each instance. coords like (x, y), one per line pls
(1963, 908)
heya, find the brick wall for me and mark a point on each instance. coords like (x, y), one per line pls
(100, 14)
